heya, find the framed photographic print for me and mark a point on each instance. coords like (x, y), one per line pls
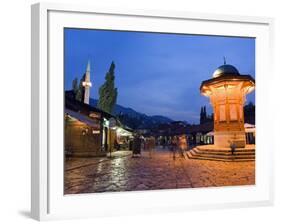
(151, 111)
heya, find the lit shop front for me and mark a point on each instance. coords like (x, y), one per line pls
(90, 131)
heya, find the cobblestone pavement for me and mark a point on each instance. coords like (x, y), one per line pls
(159, 171)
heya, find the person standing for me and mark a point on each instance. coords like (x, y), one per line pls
(174, 146)
(233, 147)
(137, 146)
(151, 146)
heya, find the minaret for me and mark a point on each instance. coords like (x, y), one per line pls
(87, 84)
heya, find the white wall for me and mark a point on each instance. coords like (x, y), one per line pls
(15, 110)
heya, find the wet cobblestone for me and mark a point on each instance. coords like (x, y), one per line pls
(124, 173)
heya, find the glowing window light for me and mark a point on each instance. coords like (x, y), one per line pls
(95, 132)
(105, 122)
(87, 84)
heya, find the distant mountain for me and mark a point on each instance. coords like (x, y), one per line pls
(134, 119)
(161, 119)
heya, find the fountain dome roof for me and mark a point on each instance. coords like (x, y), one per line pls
(225, 69)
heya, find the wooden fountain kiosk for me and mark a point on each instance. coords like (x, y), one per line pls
(227, 91)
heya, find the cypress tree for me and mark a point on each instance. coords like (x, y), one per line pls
(108, 92)
(75, 86)
(201, 116)
(80, 91)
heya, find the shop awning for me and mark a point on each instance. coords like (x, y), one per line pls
(250, 128)
(83, 118)
(211, 133)
(123, 132)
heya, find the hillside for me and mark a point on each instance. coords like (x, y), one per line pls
(134, 119)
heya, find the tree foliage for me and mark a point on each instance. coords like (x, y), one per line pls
(108, 92)
(75, 86)
(78, 90)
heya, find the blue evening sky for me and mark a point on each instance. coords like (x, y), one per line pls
(156, 74)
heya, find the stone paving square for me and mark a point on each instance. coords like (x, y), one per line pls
(159, 171)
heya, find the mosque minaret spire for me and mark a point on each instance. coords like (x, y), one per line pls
(87, 84)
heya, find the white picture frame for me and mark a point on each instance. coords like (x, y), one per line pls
(48, 201)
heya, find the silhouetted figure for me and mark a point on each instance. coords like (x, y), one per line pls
(163, 142)
(131, 144)
(116, 145)
(232, 147)
(137, 146)
(174, 146)
(150, 145)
